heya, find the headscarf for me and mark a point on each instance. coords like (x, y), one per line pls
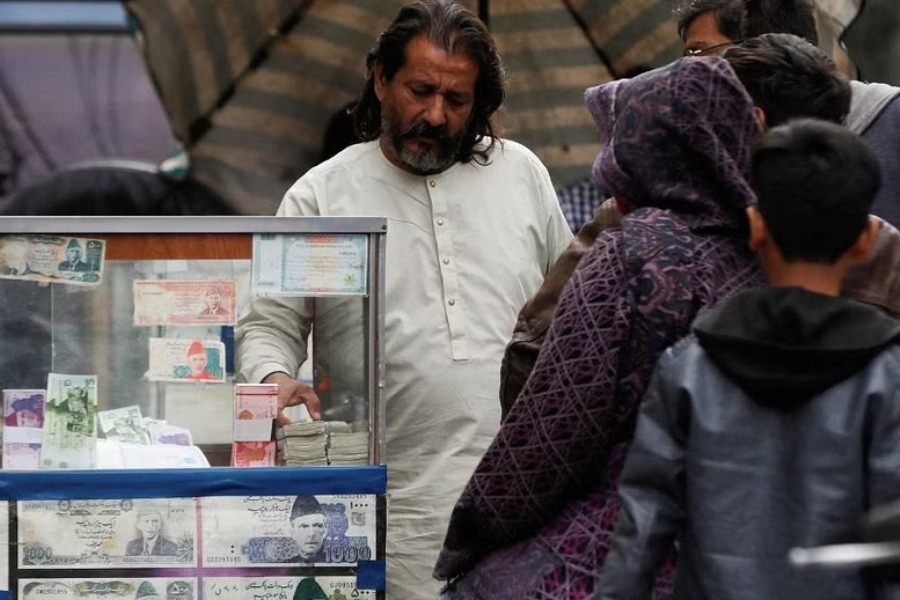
(679, 138)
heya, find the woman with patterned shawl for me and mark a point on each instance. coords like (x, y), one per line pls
(536, 518)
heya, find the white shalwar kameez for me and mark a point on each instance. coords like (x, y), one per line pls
(465, 249)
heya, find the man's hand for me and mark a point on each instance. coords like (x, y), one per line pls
(291, 393)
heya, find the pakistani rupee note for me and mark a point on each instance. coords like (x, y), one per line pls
(77, 261)
(109, 588)
(84, 534)
(184, 301)
(270, 530)
(186, 360)
(124, 424)
(324, 587)
(70, 428)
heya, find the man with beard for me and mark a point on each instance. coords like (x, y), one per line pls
(474, 226)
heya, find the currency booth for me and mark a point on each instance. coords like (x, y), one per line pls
(142, 457)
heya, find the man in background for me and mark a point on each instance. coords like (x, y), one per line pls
(709, 27)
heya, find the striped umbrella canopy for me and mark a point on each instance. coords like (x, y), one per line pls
(250, 86)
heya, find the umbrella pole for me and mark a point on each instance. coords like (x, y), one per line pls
(483, 12)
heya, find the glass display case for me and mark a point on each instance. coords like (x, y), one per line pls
(119, 352)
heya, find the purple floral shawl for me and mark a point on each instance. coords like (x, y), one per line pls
(536, 517)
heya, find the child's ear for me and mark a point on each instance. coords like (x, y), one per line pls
(863, 244)
(759, 233)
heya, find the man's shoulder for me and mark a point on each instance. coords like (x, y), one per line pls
(505, 149)
(868, 102)
(350, 157)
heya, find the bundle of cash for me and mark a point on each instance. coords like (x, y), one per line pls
(255, 406)
(23, 419)
(302, 444)
(253, 454)
(348, 448)
(163, 433)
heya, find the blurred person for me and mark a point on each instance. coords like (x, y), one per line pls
(786, 77)
(536, 516)
(473, 227)
(709, 27)
(740, 417)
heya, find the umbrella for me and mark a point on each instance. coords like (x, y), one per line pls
(250, 86)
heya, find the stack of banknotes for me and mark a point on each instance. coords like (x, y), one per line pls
(348, 443)
(302, 444)
(323, 443)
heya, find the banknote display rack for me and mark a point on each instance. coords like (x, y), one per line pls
(119, 315)
(223, 534)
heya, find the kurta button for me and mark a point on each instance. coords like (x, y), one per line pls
(440, 221)
(432, 183)
(451, 302)
(446, 261)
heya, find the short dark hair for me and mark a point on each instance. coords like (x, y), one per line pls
(788, 78)
(729, 15)
(781, 16)
(815, 182)
(743, 19)
(456, 30)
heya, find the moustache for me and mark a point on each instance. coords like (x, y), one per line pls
(422, 129)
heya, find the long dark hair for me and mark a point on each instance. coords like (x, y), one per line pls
(453, 28)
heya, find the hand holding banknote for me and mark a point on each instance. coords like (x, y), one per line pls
(291, 393)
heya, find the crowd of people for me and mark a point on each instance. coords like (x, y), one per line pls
(651, 384)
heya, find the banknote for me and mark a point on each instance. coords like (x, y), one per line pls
(186, 360)
(70, 415)
(267, 530)
(309, 264)
(253, 454)
(184, 301)
(109, 588)
(77, 261)
(18, 456)
(163, 433)
(23, 408)
(124, 424)
(320, 587)
(84, 534)
(255, 406)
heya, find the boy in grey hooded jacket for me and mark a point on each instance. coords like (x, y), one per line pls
(775, 424)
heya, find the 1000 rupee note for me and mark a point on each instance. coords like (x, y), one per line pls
(84, 534)
(333, 530)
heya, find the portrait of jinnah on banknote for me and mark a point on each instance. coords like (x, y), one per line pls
(197, 359)
(151, 541)
(309, 525)
(214, 303)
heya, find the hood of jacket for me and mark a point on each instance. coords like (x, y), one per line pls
(785, 345)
